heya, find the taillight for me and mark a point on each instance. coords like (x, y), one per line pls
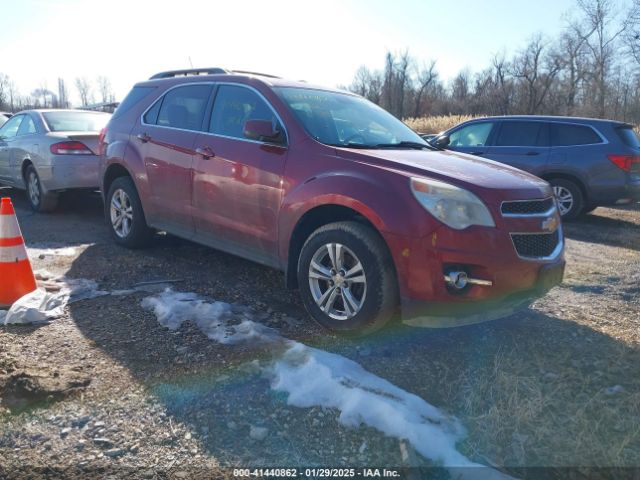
(103, 133)
(70, 148)
(625, 162)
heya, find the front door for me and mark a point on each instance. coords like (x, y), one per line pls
(165, 141)
(237, 181)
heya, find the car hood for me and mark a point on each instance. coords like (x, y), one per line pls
(485, 177)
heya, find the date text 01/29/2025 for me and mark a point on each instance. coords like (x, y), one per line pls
(316, 472)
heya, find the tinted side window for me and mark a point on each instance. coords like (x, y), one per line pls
(520, 134)
(27, 126)
(564, 134)
(233, 106)
(133, 97)
(474, 135)
(184, 107)
(10, 129)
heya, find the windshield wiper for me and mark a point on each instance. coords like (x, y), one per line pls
(404, 144)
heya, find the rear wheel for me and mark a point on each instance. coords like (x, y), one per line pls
(569, 198)
(347, 279)
(124, 213)
(39, 200)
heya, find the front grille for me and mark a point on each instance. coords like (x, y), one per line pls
(535, 245)
(527, 207)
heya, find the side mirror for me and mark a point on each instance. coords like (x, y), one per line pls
(441, 142)
(262, 131)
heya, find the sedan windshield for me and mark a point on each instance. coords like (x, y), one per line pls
(344, 120)
(76, 121)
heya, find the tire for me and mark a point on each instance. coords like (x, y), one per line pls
(40, 202)
(123, 203)
(366, 303)
(569, 197)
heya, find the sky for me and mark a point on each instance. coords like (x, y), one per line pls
(321, 42)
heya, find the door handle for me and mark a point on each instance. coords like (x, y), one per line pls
(205, 152)
(532, 154)
(143, 137)
(477, 153)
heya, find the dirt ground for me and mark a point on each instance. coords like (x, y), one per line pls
(107, 390)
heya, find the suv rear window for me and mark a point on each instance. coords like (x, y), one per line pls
(133, 97)
(563, 135)
(628, 136)
(520, 134)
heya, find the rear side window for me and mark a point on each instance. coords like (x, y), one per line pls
(474, 135)
(27, 126)
(184, 107)
(233, 107)
(10, 129)
(628, 136)
(521, 134)
(563, 135)
(133, 98)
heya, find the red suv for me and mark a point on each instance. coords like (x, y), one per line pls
(362, 215)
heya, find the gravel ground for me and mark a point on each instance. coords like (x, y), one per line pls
(107, 390)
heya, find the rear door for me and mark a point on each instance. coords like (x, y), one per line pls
(473, 138)
(564, 136)
(164, 140)
(8, 133)
(522, 144)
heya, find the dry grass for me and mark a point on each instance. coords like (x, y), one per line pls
(436, 124)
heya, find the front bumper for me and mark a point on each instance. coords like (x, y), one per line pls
(70, 171)
(452, 314)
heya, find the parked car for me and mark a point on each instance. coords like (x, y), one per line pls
(589, 162)
(49, 151)
(361, 214)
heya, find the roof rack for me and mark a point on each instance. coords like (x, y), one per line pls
(246, 72)
(205, 71)
(189, 71)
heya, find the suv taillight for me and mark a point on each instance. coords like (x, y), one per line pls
(625, 162)
(70, 148)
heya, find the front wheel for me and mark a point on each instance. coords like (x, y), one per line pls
(347, 278)
(125, 216)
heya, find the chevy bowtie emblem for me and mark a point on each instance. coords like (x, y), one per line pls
(550, 224)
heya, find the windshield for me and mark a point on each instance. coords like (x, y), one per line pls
(76, 121)
(344, 120)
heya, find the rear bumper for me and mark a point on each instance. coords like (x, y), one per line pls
(67, 171)
(452, 314)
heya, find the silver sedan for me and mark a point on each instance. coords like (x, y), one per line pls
(49, 151)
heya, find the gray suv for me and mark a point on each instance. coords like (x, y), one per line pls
(589, 162)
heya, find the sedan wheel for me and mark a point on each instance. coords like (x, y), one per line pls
(564, 198)
(39, 201)
(337, 280)
(121, 213)
(33, 188)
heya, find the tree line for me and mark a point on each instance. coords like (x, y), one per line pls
(89, 92)
(591, 68)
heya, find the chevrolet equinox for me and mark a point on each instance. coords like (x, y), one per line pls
(362, 215)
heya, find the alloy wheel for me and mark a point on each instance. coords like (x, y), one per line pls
(121, 212)
(33, 186)
(564, 198)
(337, 280)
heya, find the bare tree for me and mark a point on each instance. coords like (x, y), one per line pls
(83, 85)
(104, 88)
(426, 77)
(63, 94)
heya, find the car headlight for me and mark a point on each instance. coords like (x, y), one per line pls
(454, 206)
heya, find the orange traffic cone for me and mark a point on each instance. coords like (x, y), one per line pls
(16, 276)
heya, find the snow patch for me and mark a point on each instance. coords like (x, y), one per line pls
(45, 304)
(38, 250)
(313, 377)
